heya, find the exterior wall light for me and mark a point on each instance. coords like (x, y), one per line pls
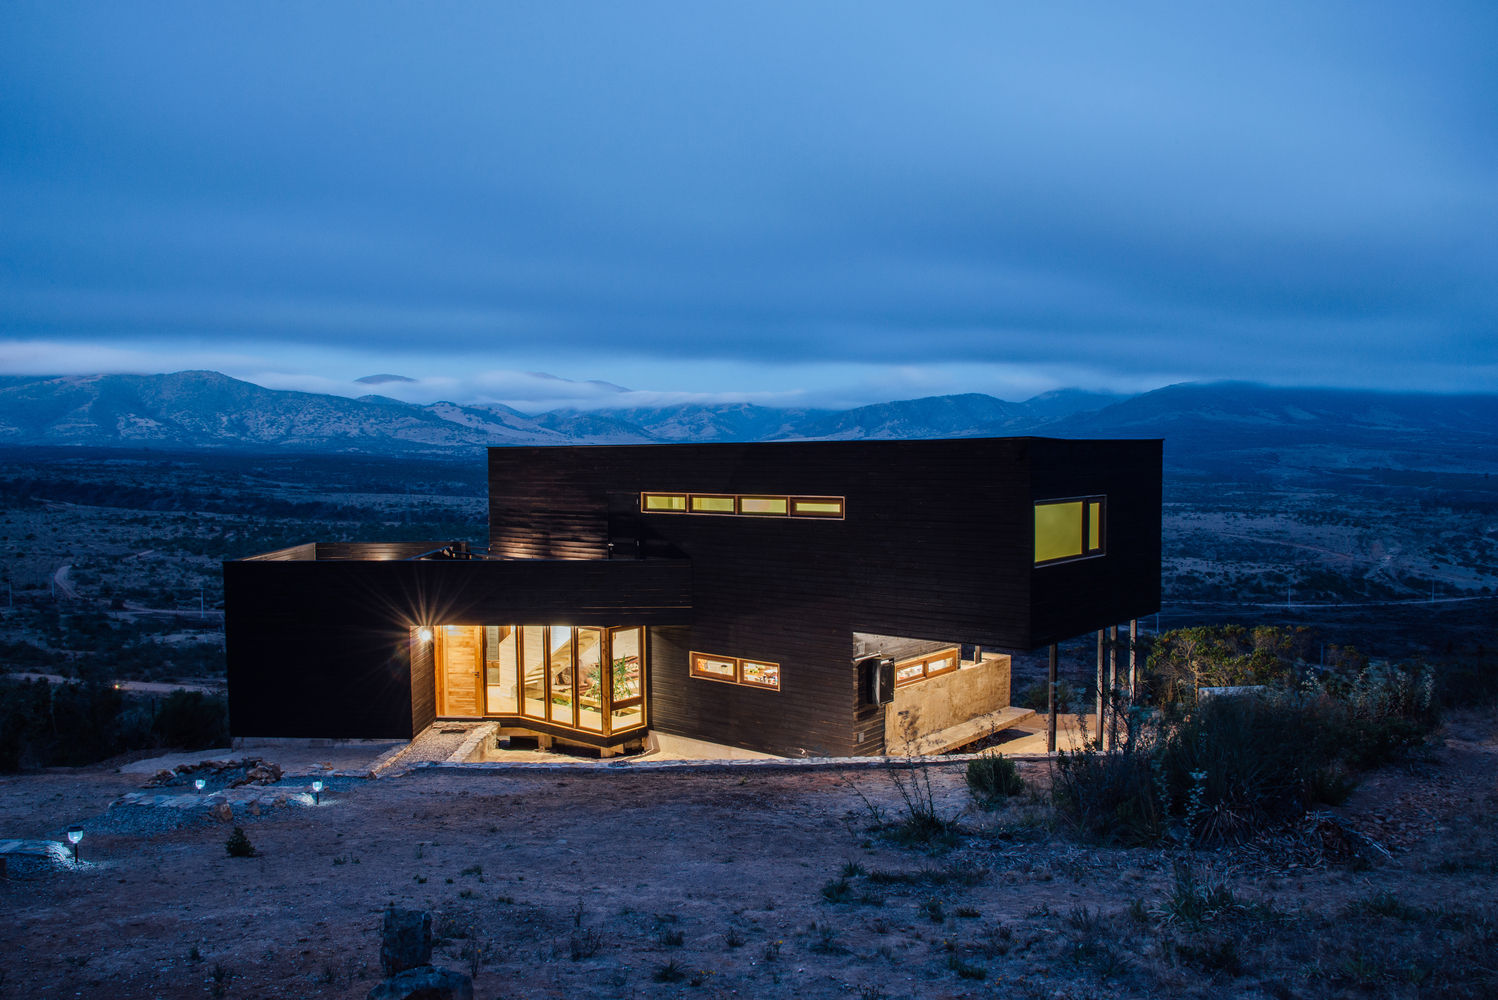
(424, 634)
(317, 791)
(75, 834)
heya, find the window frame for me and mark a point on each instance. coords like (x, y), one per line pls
(645, 508)
(924, 662)
(790, 500)
(1084, 537)
(738, 677)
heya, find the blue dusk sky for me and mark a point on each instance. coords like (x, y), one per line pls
(791, 203)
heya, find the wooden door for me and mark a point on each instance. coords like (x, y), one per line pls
(459, 670)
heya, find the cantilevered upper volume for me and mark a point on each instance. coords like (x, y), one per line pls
(805, 598)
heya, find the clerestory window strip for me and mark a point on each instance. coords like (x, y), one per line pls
(744, 505)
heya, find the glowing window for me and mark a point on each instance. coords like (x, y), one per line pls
(817, 506)
(718, 668)
(763, 506)
(759, 673)
(664, 503)
(1069, 529)
(747, 505)
(711, 504)
(735, 670)
(930, 665)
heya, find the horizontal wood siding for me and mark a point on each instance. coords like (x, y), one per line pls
(375, 551)
(1074, 598)
(423, 683)
(323, 648)
(935, 545)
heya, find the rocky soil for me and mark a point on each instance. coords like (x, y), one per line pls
(753, 883)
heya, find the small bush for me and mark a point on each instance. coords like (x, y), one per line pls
(238, 845)
(992, 778)
(838, 891)
(919, 823)
(671, 972)
(1112, 796)
(1192, 903)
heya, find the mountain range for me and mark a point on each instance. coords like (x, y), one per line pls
(1203, 423)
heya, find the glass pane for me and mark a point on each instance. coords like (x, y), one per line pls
(533, 656)
(1058, 530)
(763, 505)
(822, 507)
(624, 718)
(664, 501)
(761, 673)
(590, 679)
(912, 672)
(1094, 526)
(940, 664)
(712, 505)
(499, 670)
(559, 665)
(714, 666)
(625, 654)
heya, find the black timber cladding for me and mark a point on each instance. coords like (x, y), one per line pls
(937, 544)
(323, 648)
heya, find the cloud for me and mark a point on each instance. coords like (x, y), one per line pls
(691, 194)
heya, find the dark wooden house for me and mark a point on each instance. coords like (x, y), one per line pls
(784, 597)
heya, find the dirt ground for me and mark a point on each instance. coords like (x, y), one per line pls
(752, 883)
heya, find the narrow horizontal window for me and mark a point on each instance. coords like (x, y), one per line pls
(759, 673)
(764, 506)
(736, 670)
(746, 505)
(706, 503)
(817, 506)
(910, 672)
(664, 503)
(716, 668)
(930, 665)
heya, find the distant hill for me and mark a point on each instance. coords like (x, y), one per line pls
(1210, 428)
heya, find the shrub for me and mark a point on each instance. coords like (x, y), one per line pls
(1230, 766)
(1112, 796)
(992, 778)
(238, 845)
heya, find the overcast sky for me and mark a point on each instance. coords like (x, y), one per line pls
(800, 202)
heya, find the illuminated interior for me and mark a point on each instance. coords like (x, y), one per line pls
(583, 678)
(1069, 529)
(931, 665)
(743, 505)
(736, 670)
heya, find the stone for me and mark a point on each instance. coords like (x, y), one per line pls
(424, 983)
(405, 940)
(222, 811)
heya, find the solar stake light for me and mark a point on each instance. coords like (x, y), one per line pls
(317, 791)
(75, 834)
(200, 784)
